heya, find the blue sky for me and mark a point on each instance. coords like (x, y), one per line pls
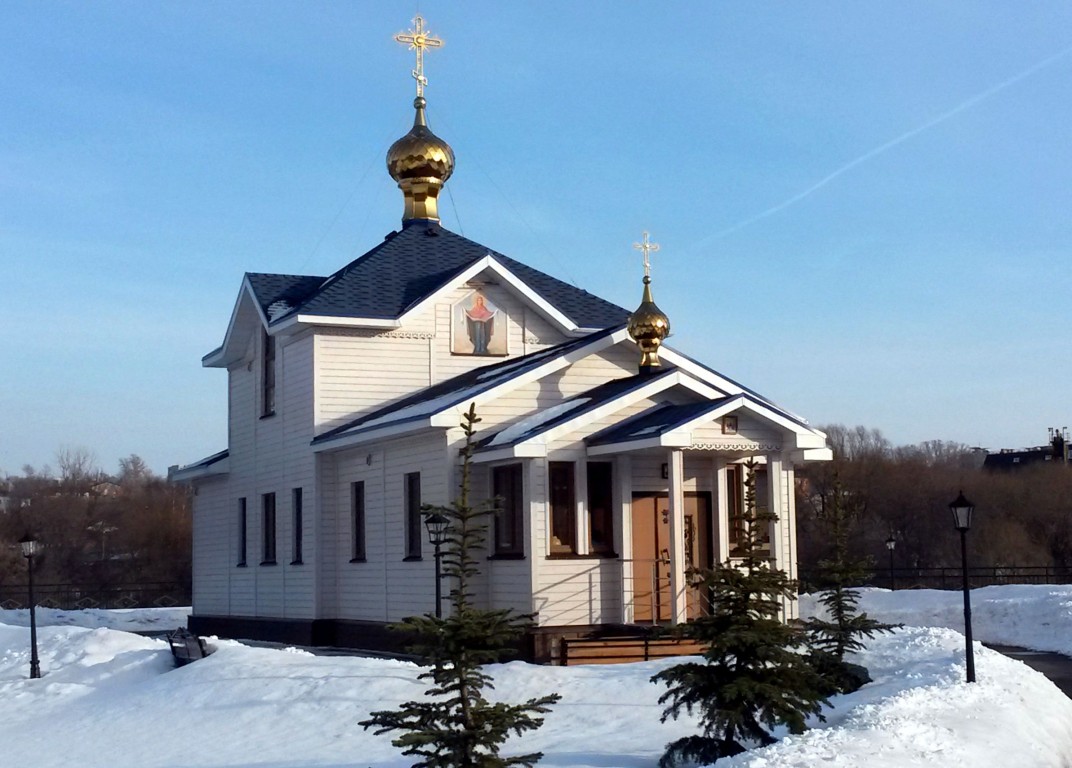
(863, 208)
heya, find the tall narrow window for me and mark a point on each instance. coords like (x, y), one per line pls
(509, 520)
(268, 528)
(268, 376)
(413, 516)
(242, 528)
(600, 507)
(735, 504)
(563, 508)
(296, 512)
(736, 478)
(357, 522)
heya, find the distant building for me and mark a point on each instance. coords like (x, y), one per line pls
(1057, 450)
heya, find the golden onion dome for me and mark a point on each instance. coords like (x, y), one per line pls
(648, 326)
(420, 162)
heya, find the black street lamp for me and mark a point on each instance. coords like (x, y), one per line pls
(891, 544)
(962, 516)
(437, 526)
(31, 547)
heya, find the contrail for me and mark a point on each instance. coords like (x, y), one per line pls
(967, 104)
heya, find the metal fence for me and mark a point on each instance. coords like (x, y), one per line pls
(75, 596)
(948, 578)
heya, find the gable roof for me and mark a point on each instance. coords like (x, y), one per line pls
(408, 267)
(665, 424)
(547, 419)
(463, 388)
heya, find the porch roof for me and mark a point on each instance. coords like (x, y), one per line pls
(661, 421)
(457, 390)
(572, 408)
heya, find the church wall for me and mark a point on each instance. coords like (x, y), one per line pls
(502, 583)
(385, 587)
(212, 542)
(267, 455)
(360, 369)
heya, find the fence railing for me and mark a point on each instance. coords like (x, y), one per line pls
(75, 596)
(948, 578)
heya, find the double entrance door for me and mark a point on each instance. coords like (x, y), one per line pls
(651, 553)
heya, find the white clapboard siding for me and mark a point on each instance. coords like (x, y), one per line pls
(359, 370)
(579, 591)
(212, 558)
(385, 587)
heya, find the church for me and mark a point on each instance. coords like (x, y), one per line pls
(617, 461)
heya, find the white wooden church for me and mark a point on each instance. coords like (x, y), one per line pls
(618, 460)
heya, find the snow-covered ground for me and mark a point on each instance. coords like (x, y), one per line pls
(110, 698)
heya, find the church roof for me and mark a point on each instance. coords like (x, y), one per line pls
(408, 267)
(459, 389)
(659, 420)
(549, 418)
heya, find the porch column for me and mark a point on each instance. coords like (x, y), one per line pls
(722, 508)
(623, 501)
(774, 498)
(678, 602)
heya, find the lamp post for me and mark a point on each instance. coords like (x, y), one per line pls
(962, 516)
(31, 547)
(891, 544)
(437, 526)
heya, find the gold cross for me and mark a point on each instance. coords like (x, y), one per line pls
(648, 248)
(417, 39)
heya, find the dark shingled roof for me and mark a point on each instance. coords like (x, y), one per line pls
(586, 401)
(282, 290)
(654, 422)
(406, 268)
(458, 389)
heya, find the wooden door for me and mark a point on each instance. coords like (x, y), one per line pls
(651, 557)
(651, 553)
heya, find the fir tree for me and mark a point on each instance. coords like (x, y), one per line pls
(457, 727)
(752, 677)
(845, 628)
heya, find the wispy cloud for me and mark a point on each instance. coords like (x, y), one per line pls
(882, 148)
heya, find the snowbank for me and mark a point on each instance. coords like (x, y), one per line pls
(113, 699)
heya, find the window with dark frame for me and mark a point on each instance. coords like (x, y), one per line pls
(268, 376)
(736, 475)
(506, 485)
(563, 507)
(357, 522)
(601, 507)
(268, 528)
(242, 529)
(296, 512)
(413, 516)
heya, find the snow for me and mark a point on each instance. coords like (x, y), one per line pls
(113, 699)
(514, 431)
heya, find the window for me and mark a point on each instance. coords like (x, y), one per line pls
(600, 507)
(563, 508)
(357, 522)
(736, 477)
(296, 511)
(268, 528)
(413, 516)
(242, 523)
(268, 376)
(509, 520)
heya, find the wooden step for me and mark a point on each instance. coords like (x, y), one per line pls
(620, 650)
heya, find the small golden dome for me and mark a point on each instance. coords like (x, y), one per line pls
(648, 326)
(420, 162)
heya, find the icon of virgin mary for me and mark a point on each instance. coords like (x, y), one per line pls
(480, 324)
